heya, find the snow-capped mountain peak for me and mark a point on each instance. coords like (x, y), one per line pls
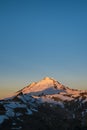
(42, 98)
(46, 86)
(49, 87)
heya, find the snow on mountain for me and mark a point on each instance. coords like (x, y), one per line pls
(45, 86)
(48, 88)
(47, 91)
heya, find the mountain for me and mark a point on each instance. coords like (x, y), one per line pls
(45, 105)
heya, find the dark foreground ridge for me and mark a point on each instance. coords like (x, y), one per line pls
(45, 105)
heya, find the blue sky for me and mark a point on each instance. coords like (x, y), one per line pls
(41, 38)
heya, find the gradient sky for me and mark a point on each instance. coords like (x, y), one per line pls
(41, 38)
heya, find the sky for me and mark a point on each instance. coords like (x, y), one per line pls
(40, 38)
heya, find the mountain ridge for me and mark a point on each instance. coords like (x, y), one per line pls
(28, 104)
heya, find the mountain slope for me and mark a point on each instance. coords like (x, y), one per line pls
(46, 103)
